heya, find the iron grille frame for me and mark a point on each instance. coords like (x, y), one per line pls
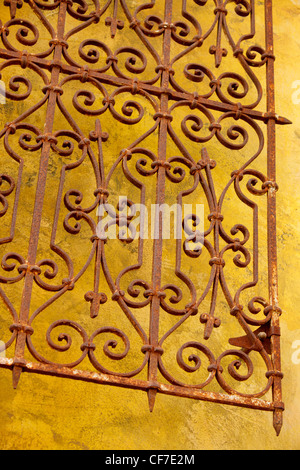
(266, 338)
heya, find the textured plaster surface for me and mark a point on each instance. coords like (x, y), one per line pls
(52, 413)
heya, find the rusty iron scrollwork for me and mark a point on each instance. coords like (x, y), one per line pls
(217, 107)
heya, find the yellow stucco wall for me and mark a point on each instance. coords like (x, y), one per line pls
(52, 413)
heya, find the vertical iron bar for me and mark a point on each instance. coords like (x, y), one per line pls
(272, 245)
(160, 199)
(39, 201)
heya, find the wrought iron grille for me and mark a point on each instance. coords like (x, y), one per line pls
(77, 73)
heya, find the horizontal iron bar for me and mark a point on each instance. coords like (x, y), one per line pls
(125, 382)
(151, 89)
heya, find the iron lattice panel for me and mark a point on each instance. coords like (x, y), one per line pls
(58, 69)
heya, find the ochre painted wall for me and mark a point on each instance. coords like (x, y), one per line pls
(51, 413)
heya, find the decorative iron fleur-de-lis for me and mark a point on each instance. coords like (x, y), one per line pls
(114, 22)
(216, 218)
(243, 8)
(218, 50)
(95, 297)
(13, 5)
